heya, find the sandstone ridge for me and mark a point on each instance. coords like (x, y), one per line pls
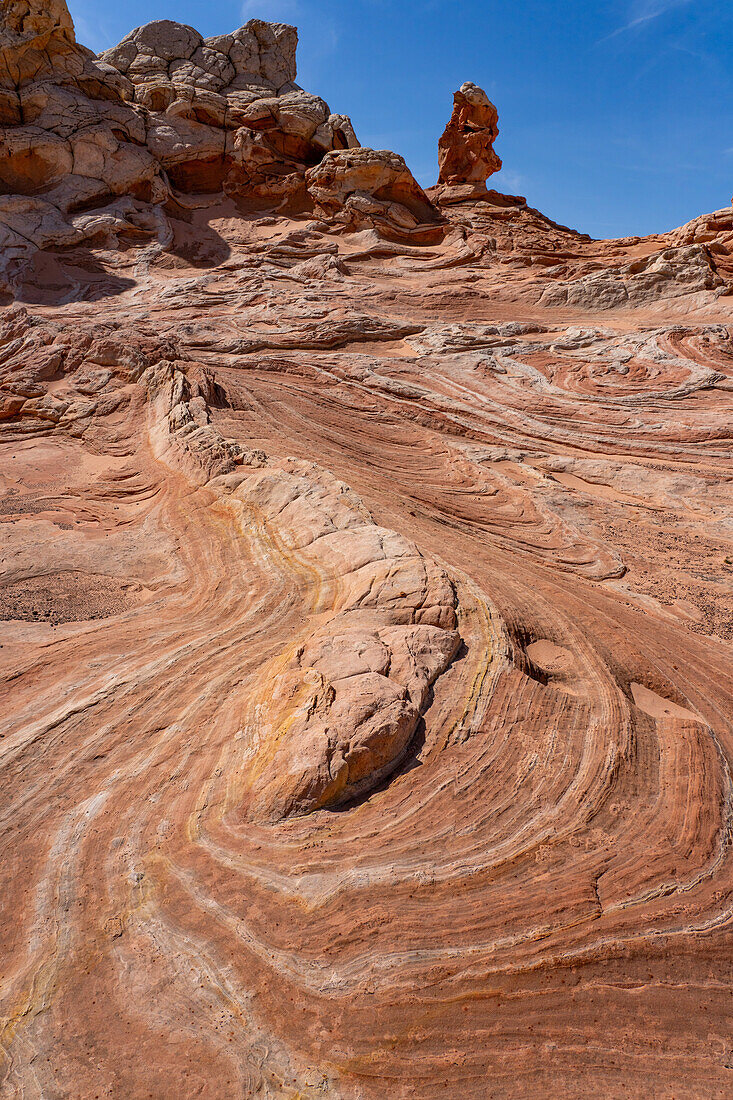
(365, 599)
(97, 146)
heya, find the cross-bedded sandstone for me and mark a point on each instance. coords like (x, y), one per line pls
(365, 589)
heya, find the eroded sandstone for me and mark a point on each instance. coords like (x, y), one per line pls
(466, 155)
(365, 583)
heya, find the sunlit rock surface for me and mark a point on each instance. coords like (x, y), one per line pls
(365, 592)
(466, 147)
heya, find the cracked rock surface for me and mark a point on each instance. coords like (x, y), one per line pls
(366, 582)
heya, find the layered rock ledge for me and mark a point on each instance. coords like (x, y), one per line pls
(365, 599)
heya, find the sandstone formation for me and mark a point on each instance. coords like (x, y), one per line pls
(365, 187)
(96, 148)
(365, 591)
(466, 148)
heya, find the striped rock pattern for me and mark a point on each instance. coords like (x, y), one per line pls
(365, 665)
(410, 792)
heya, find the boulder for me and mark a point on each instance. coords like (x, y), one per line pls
(363, 187)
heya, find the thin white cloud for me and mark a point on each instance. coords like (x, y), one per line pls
(643, 12)
(514, 181)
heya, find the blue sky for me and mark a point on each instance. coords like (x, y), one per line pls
(616, 116)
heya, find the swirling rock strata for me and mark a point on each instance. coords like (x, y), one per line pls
(342, 703)
(366, 610)
(340, 707)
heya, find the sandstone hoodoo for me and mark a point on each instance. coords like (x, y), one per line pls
(365, 599)
(466, 147)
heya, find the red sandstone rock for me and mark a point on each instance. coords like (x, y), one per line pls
(366, 608)
(363, 187)
(466, 147)
(162, 115)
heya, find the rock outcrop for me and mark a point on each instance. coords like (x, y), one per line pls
(365, 600)
(163, 116)
(364, 187)
(225, 113)
(466, 148)
(672, 272)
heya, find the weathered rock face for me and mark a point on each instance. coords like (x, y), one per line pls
(415, 787)
(225, 112)
(465, 149)
(163, 116)
(364, 187)
(36, 40)
(68, 134)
